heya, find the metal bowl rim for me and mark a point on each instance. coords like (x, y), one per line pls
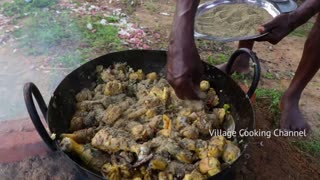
(202, 8)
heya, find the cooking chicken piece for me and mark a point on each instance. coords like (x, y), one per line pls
(113, 88)
(194, 106)
(163, 94)
(139, 90)
(158, 163)
(190, 132)
(184, 156)
(84, 106)
(136, 113)
(152, 76)
(155, 122)
(89, 105)
(229, 123)
(179, 169)
(194, 175)
(84, 94)
(188, 144)
(150, 113)
(128, 157)
(76, 123)
(151, 101)
(165, 145)
(98, 91)
(156, 92)
(98, 110)
(80, 113)
(165, 176)
(204, 85)
(167, 126)
(92, 157)
(205, 122)
(144, 174)
(181, 122)
(210, 166)
(82, 136)
(216, 146)
(201, 148)
(140, 131)
(143, 151)
(113, 112)
(221, 113)
(111, 74)
(115, 171)
(108, 100)
(107, 75)
(167, 122)
(99, 68)
(138, 75)
(148, 175)
(89, 120)
(113, 140)
(204, 125)
(120, 123)
(137, 176)
(212, 98)
(231, 152)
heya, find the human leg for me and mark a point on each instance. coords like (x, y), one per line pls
(292, 118)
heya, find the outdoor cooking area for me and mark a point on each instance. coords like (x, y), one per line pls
(159, 89)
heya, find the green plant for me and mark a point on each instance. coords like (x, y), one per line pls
(113, 19)
(242, 78)
(310, 145)
(274, 96)
(219, 59)
(47, 31)
(130, 5)
(65, 37)
(303, 30)
(268, 75)
(71, 58)
(105, 36)
(150, 6)
(20, 7)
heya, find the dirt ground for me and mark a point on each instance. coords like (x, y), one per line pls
(273, 158)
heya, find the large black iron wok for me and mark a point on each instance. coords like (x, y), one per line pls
(62, 104)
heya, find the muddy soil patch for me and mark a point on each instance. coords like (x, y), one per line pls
(274, 158)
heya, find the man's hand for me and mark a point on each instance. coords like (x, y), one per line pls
(184, 73)
(278, 28)
(183, 61)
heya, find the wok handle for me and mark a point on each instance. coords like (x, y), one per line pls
(257, 68)
(30, 89)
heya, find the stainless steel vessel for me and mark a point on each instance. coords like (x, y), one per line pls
(203, 8)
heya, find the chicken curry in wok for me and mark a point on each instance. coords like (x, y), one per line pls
(133, 126)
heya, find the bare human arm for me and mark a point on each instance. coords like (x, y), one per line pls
(183, 62)
(283, 24)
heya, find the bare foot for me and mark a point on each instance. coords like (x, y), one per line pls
(292, 118)
(241, 65)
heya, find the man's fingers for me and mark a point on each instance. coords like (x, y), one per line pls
(261, 29)
(190, 91)
(184, 88)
